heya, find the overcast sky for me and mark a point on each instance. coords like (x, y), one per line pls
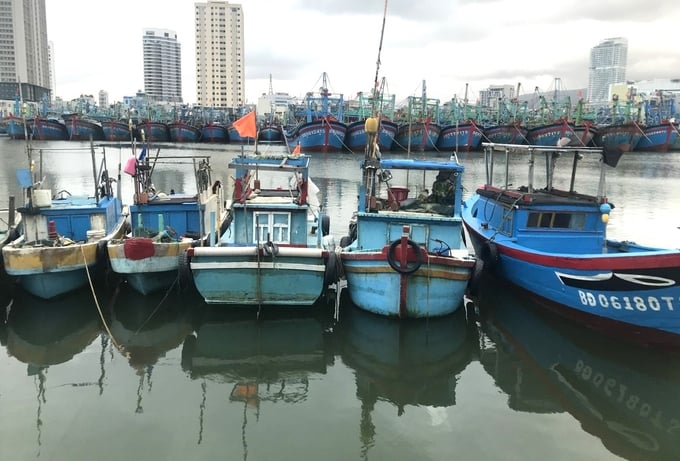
(447, 43)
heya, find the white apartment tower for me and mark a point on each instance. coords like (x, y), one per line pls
(23, 43)
(220, 79)
(162, 65)
(607, 66)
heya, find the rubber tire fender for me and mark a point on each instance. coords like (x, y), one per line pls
(397, 267)
(489, 254)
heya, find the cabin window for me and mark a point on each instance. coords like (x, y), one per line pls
(276, 225)
(558, 220)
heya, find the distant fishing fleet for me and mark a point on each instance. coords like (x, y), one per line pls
(326, 122)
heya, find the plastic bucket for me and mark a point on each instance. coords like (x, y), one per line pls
(396, 195)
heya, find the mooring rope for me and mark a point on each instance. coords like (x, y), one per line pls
(96, 301)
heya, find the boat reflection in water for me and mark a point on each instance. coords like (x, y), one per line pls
(145, 327)
(623, 394)
(42, 333)
(416, 362)
(266, 360)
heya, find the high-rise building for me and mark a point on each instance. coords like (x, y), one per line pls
(220, 76)
(607, 66)
(162, 65)
(23, 51)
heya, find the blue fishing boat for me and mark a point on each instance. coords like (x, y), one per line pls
(152, 131)
(323, 128)
(80, 129)
(273, 252)
(117, 130)
(64, 236)
(624, 136)
(181, 131)
(214, 133)
(18, 127)
(365, 106)
(550, 133)
(270, 131)
(236, 138)
(10, 229)
(404, 256)
(552, 242)
(462, 133)
(514, 133)
(49, 129)
(164, 225)
(355, 139)
(419, 127)
(623, 394)
(658, 138)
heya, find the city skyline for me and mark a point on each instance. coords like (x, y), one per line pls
(296, 41)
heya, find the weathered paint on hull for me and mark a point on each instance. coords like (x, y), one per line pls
(223, 278)
(355, 139)
(657, 138)
(319, 136)
(432, 291)
(151, 274)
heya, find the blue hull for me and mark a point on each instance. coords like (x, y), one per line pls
(84, 130)
(355, 139)
(658, 138)
(270, 134)
(506, 134)
(624, 136)
(214, 133)
(463, 138)
(422, 136)
(49, 130)
(153, 132)
(47, 285)
(319, 136)
(183, 132)
(247, 276)
(622, 288)
(435, 290)
(16, 129)
(236, 138)
(116, 131)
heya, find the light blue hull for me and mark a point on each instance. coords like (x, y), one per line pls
(47, 285)
(237, 275)
(151, 282)
(429, 292)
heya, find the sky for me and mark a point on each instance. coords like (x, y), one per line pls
(453, 46)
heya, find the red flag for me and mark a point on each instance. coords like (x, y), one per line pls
(246, 125)
(297, 149)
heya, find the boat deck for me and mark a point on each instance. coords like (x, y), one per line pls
(522, 196)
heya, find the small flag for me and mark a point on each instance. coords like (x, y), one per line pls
(246, 125)
(297, 150)
(142, 155)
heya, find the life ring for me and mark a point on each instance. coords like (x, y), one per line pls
(489, 255)
(270, 249)
(410, 267)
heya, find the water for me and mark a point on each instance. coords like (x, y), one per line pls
(168, 378)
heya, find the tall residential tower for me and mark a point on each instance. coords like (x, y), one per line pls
(220, 76)
(607, 67)
(162, 65)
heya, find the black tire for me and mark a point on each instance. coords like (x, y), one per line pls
(476, 278)
(409, 269)
(345, 241)
(184, 275)
(489, 255)
(325, 225)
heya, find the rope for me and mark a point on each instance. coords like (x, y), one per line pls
(96, 302)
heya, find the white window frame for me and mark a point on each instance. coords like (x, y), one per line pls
(279, 232)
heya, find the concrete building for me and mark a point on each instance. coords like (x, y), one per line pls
(607, 67)
(24, 53)
(162, 65)
(220, 75)
(493, 95)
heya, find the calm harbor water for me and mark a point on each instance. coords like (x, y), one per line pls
(169, 378)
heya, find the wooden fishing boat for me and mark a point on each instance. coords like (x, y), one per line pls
(274, 252)
(64, 235)
(164, 225)
(552, 242)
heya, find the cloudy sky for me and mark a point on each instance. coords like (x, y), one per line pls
(447, 43)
